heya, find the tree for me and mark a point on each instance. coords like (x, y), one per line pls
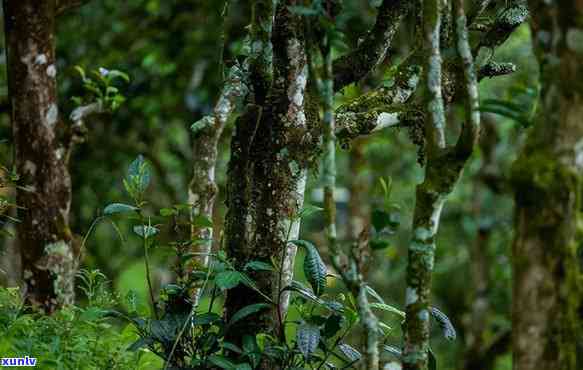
(548, 183)
(42, 148)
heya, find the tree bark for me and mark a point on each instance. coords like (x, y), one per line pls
(547, 178)
(271, 151)
(44, 193)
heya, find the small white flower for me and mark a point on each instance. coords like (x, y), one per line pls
(103, 72)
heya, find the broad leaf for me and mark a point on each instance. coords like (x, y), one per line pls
(246, 311)
(307, 338)
(350, 352)
(388, 308)
(222, 362)
(314, 268)
(227, 279)
(444, 323)
(201, 221)
(258, 266)
(119, 208)
(393, 351)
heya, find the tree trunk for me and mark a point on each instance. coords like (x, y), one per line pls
(44, 194)
(271, 151)
(547, 178)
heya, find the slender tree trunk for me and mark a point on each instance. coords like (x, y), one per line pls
(442, 171)
(44, 194)
(547, 178)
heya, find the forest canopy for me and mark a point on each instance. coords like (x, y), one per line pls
(284, 184)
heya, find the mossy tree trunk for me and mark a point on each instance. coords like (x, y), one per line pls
(547, 178)
(271, 150)
(44, 192)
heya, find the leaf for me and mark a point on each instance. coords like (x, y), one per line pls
(302, 10)
(309, 209)
(113, 74)
(314, 268)
(388, 308)
(432, 364)
(350, 352)
(206, 318)
(140, 343)
(231, 347)
(307, 338)
(244, 366)
(444, 323)
(246, 311)
(146, 231)
(202, 221)
(119, 208)
(139, 174)
(227, 279)
(332, 326)
(222, 362)
(374, 294)
(393, 351)
(165, 212)
(258, 266)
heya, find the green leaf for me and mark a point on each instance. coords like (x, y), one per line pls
(332, 326)
(222, 362)
(244, 366)
(140, 343)
(206, 318)
(202, 221)
(146, 231)
(165, 212)
(139, 174)
(303, 10)
(314, 268)
(393, 351)
(307, 337)
(246, 311)
(374, 294)
(350, 352)
(119, 208)
(432, 361)
(231, 347)
(380, 219)
(258, 266)
(227, 279)
(388, 308)
(444, 323)
(113, 74)
(309, 209)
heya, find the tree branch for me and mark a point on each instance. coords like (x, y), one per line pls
(357, 64)
(64, 6)
(471, 127)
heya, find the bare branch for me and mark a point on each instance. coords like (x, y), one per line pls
(64, 6)
(380, 108)
(435, 121)
(357, 64)
(478, 9)
(471, 127)
(505, 23)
